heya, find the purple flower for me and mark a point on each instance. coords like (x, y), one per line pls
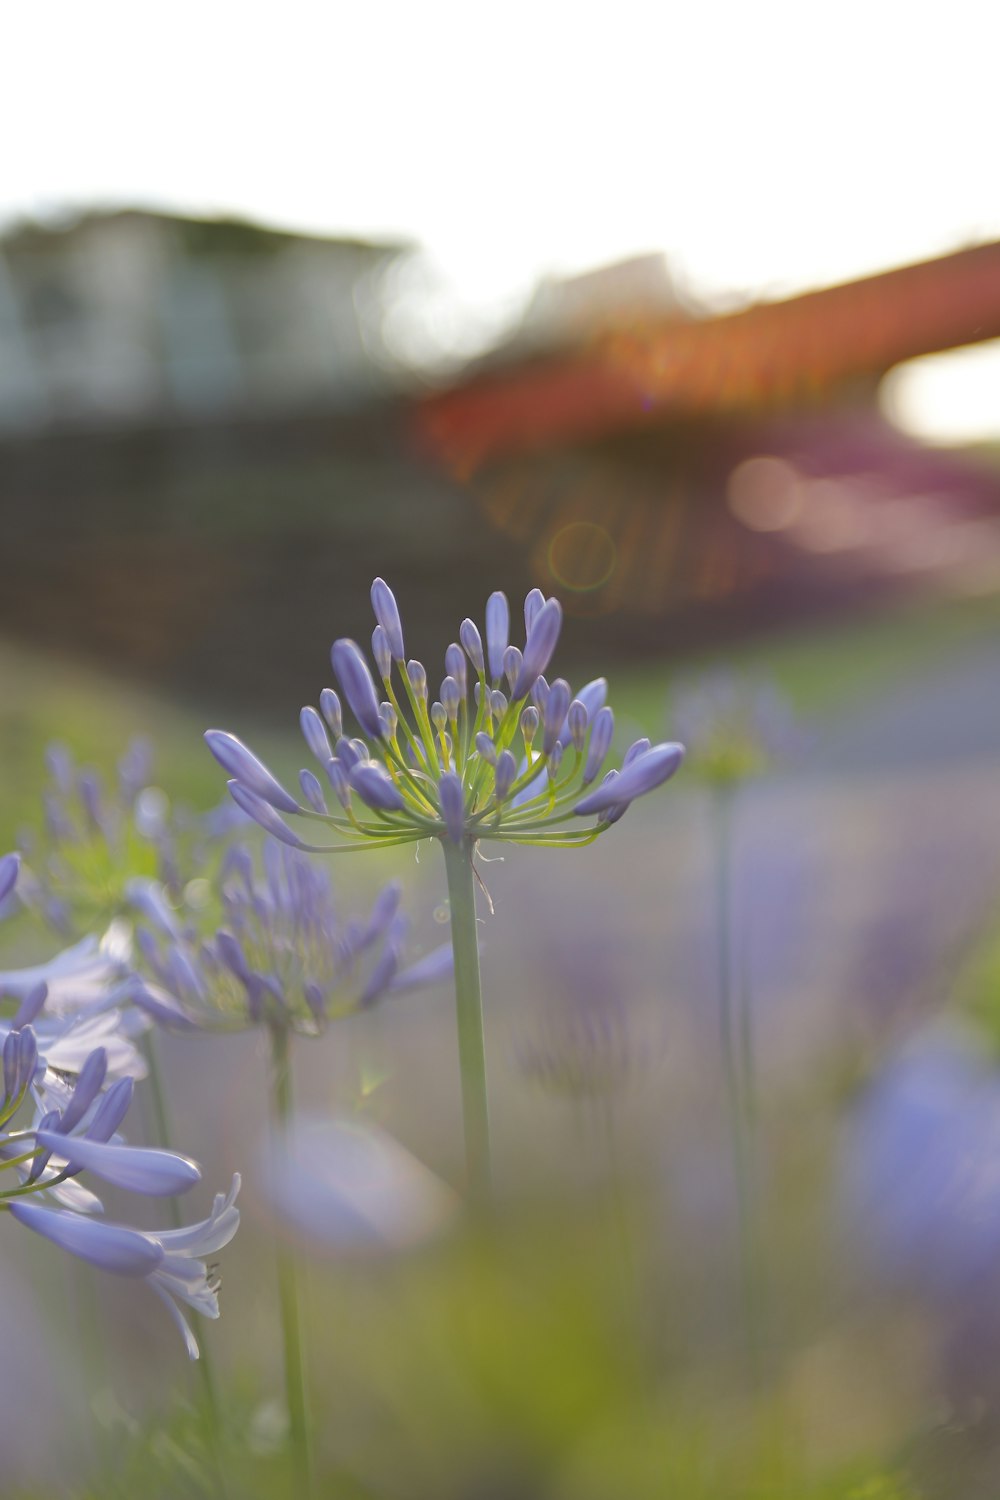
(284, 955)
(444, 769)
(171, 1261)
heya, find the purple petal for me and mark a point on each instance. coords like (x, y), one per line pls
(111, 1110)
(111, 1247)
(9, 868)
(645, 772)
(31, 1005)
(234, 757)
(88, 1086)
(385, 967)
(385, 908)
(433, 968)
(263, 813)
(139, 1169)
(601, 735)
(637, 748)
(358, 685)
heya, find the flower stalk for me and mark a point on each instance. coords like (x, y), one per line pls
(469, 1014)
(288, 1287)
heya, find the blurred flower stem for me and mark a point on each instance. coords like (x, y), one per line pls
(288, 1289)
(469, 1013)
(162, 1128)
(737, 1049)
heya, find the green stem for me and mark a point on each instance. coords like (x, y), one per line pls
(164, 1134)
(722, 817)
(288, 1290)
(469, 1015)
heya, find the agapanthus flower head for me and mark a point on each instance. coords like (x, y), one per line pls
(581, 1049)
(97, 835)
(66, 1084)
(518, 759)
(735, 727)
(74, 1002)
(285, 956)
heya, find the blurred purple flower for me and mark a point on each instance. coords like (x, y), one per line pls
(920, 1167)
(351, 1189)
(284, 955)
(734, 727)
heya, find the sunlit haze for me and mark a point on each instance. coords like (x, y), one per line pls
(760, 149)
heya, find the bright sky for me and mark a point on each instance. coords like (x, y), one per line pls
(764, 146)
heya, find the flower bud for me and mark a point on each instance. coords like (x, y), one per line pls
(330, 707)
(534, 601)
(543, 637)
(556, 708)
(315, 735)
(454, 665)
(576, 720)
(505, 776)
(601, 735)
(359, 689)
(312, 791)
(387, 615)
(512, 659)
(418, 679)
(376, 788)
(472, 642)
(381, 653)
(234, 757)
(497, 632)
(486, 748)
(451, 697)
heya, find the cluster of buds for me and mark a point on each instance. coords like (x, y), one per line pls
(514, 759)
(284, 956)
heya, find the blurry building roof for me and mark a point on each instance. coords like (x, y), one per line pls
(665, 366)
(120, 317)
